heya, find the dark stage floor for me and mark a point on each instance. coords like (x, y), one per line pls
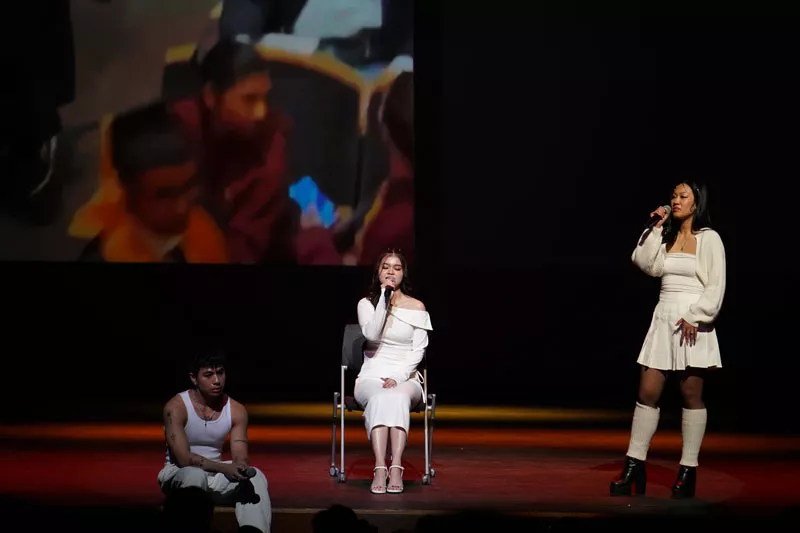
(540, 472)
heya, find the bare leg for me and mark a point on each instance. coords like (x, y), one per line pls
(692, 388)
(399, 438)
(379, 439)
(651, 385)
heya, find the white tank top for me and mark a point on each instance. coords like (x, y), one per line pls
(206, 438)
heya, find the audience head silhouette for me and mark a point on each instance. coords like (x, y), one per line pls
(188, 510)
(339, 519)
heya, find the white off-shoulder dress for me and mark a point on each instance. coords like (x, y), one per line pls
(396, 344)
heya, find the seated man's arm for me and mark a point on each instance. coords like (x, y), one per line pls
(239, 421)
(175, 417)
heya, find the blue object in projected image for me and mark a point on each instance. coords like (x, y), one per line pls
(307, 194)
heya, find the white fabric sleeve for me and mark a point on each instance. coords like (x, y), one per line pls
(371, 319)
(706, 309)
(649, 253)
(418, 346)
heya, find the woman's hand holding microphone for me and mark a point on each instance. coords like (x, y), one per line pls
(661, 212)
(391, 284)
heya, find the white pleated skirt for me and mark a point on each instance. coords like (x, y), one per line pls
(662, 347)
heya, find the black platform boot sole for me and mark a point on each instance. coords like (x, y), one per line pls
(685, 485)
(634, 475)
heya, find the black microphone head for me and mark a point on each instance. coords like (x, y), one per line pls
(249, 472)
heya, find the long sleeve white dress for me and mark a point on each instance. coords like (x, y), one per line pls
(396, 344)
(692, 288)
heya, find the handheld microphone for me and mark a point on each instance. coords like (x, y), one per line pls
(388, 295)
(656, 218)
(249, 472)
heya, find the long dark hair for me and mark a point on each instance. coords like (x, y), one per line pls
(374, 293)
(702, 218)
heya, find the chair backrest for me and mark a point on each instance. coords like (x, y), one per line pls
(353, 344)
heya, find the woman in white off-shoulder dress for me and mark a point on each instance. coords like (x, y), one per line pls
(689, 258)
(396, 327)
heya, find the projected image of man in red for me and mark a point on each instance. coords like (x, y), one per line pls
(157, 217)
(241, 144)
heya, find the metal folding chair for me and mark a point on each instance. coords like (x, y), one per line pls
(353, 345)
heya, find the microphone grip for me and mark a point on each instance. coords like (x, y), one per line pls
(656, 218)
(653, 221)
(388, 295)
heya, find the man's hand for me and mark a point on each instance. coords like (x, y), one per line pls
(389, 383)
(234, 472)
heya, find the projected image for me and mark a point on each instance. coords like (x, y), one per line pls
(275, 136)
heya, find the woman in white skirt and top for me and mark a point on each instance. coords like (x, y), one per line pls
(689, 258)
(396, 327)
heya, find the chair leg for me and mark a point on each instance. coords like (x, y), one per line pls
(430, 438)
(342, 476)
(334, 471)
(429, 417)
(426, 478)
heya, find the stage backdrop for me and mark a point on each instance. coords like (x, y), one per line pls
(330, 66)
(526, 223)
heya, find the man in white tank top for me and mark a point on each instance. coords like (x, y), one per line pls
(196, 424)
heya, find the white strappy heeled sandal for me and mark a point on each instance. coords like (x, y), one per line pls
(395, 490)
(380, 489)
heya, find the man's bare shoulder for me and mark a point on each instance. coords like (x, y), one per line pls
(175, 409)
(235, 404)
(238, 411)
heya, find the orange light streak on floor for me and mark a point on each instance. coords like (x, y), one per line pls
(577, 439)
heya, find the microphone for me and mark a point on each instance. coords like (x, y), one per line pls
(388, 295)
(656, 218)
(249, 472)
